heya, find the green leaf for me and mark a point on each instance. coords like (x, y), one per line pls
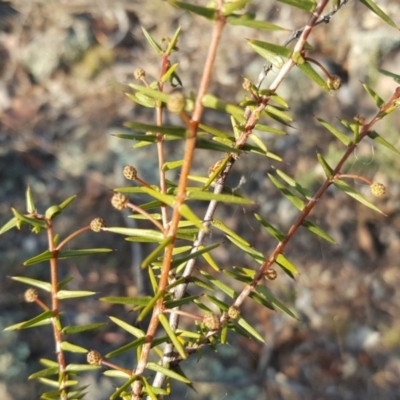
(318, 231)
(214, 131)
(152, 42)
(141, 233)
(340, 135)
(180, 302)
(300, 189)
(149, 390)
(127, 327)
(72, 329)
(73, 348)
(213, 145)
(351, 192)
(30, 203)
(72, 294)
(64, 282)
(81, 367)
(171, 334)
(184, 209)
(258, 298)
(141, 99)
(271, 52)
(127, 347)
(248, 20)
(9, 225)
(326, 167)
(231, 7)
(377, 100)
(150, 305)
(380, 140)
(173, 42)
(286, 265)
(216, 223)
(179, 131)
(277, 234)
(278, 304)
(47, 255)
(256, 255)
(211, 101)
(210, 261)
(67, 202)
(31, 221)
(298, 203)
(156, 252)
(223, 307)
(237, 276)
(206, 12)
(130, 301)
(198, 282)
(44, 372)
(220, 285)
(172, 165)
(395, 77)
(246, 326)
(378, 11)
(153, 93)
(42, 319)
(178, 261)
(119, 374)
(270, 129)
(133, 136)
(276, 113)
(33, 282)
(307, 69)
(198, 194)
(167, 372)
(307, 5)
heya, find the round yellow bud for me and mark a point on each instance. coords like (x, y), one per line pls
(271, 274)
(94, 357)
(378, 189)
(130, 172)
(97, 224)
(176, 102)
(31, 295)
(119, 201)
(334, 82)
(233, 312)
(246, 85)
(212, 322)
(139, 73)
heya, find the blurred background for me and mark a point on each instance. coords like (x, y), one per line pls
(64, 68)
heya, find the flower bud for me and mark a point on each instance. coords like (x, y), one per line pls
(31, 295)
(334, 82)
(212, 322)
(378, 189)
(119, 201)
(94, 357)
(130, 172)
(233, 312)
(97, 224)
(176, 102)
(139, 73)
(271, 274)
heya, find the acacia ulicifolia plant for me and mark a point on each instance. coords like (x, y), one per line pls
(170, 265)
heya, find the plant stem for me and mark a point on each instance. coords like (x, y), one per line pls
(180, 198)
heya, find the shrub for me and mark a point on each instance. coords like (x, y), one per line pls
(208, 294)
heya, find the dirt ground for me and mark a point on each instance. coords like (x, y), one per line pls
(64, 67)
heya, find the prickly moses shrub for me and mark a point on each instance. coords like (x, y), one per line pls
(194, 301)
